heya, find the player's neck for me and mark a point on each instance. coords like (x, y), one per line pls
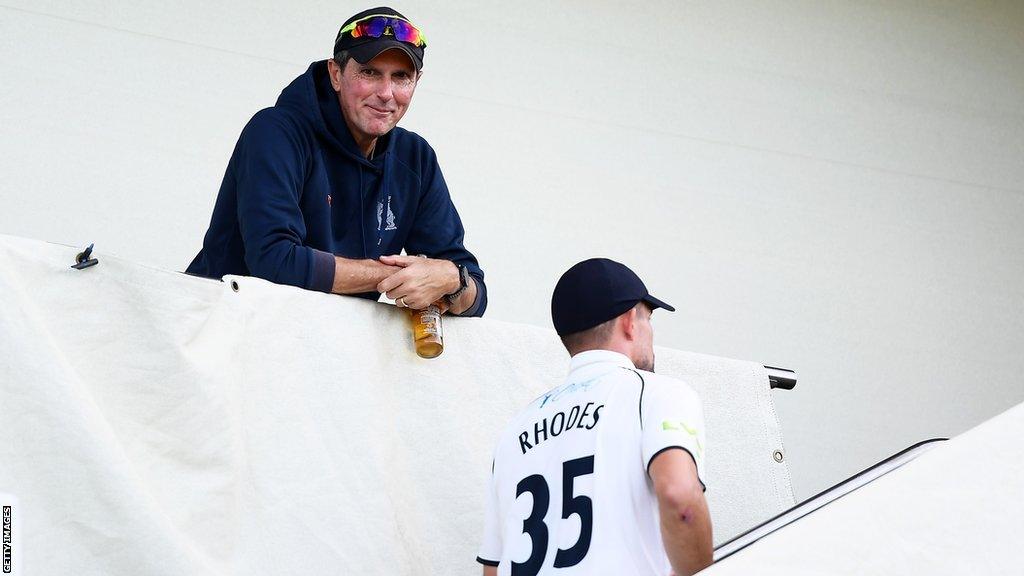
(620, 348)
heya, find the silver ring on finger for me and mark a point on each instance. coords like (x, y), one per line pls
(401, 302)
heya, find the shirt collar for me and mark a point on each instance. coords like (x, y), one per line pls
(594, 357)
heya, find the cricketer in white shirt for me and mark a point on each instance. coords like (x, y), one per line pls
(594, 477)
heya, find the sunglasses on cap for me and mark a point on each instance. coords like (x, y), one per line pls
(377, 25)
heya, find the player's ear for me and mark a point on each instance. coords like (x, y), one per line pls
(629, 322)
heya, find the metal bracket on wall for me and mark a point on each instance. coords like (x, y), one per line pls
(84, 259)
(783, 378)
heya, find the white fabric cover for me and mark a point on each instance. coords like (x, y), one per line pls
(156, 423)
(956, 509)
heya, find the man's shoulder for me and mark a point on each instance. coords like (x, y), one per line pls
(276, 120)
(410, 147)
(275, 131)
(408, 138)
(667, 384)
(532, 408)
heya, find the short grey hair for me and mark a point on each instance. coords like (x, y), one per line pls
(341, 58)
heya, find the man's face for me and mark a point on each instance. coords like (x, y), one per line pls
(644, 344)
(374, 96)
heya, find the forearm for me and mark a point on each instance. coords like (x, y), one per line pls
(686, 533)
(685, 522)
(357, 276)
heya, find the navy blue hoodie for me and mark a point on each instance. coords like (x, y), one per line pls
(298, 191)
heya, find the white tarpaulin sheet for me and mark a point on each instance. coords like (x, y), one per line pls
(155, 423)
(956, 509)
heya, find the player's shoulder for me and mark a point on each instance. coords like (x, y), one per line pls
(656, 384)
(534, 406)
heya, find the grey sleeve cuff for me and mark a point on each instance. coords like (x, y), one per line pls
(322, 278)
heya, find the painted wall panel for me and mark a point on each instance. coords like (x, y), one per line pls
(829, 186)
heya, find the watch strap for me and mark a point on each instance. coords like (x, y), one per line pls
(463, 284)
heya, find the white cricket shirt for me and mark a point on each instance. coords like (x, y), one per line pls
(569, 492)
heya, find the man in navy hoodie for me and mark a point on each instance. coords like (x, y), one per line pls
(323, 191)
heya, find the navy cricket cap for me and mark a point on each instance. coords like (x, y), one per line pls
(366, 48)
(595, 291)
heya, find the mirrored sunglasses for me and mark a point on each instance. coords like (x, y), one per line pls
(378, 25)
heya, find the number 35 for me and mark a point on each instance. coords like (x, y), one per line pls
(535, 528)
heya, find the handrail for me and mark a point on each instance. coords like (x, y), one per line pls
(730, 547)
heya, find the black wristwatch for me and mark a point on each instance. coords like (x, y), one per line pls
(463, 284)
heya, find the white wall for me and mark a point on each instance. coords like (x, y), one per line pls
(831, 186)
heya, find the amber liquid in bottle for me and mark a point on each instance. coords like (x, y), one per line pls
(427, 334)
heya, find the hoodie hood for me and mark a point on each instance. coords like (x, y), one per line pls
(311, 98)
